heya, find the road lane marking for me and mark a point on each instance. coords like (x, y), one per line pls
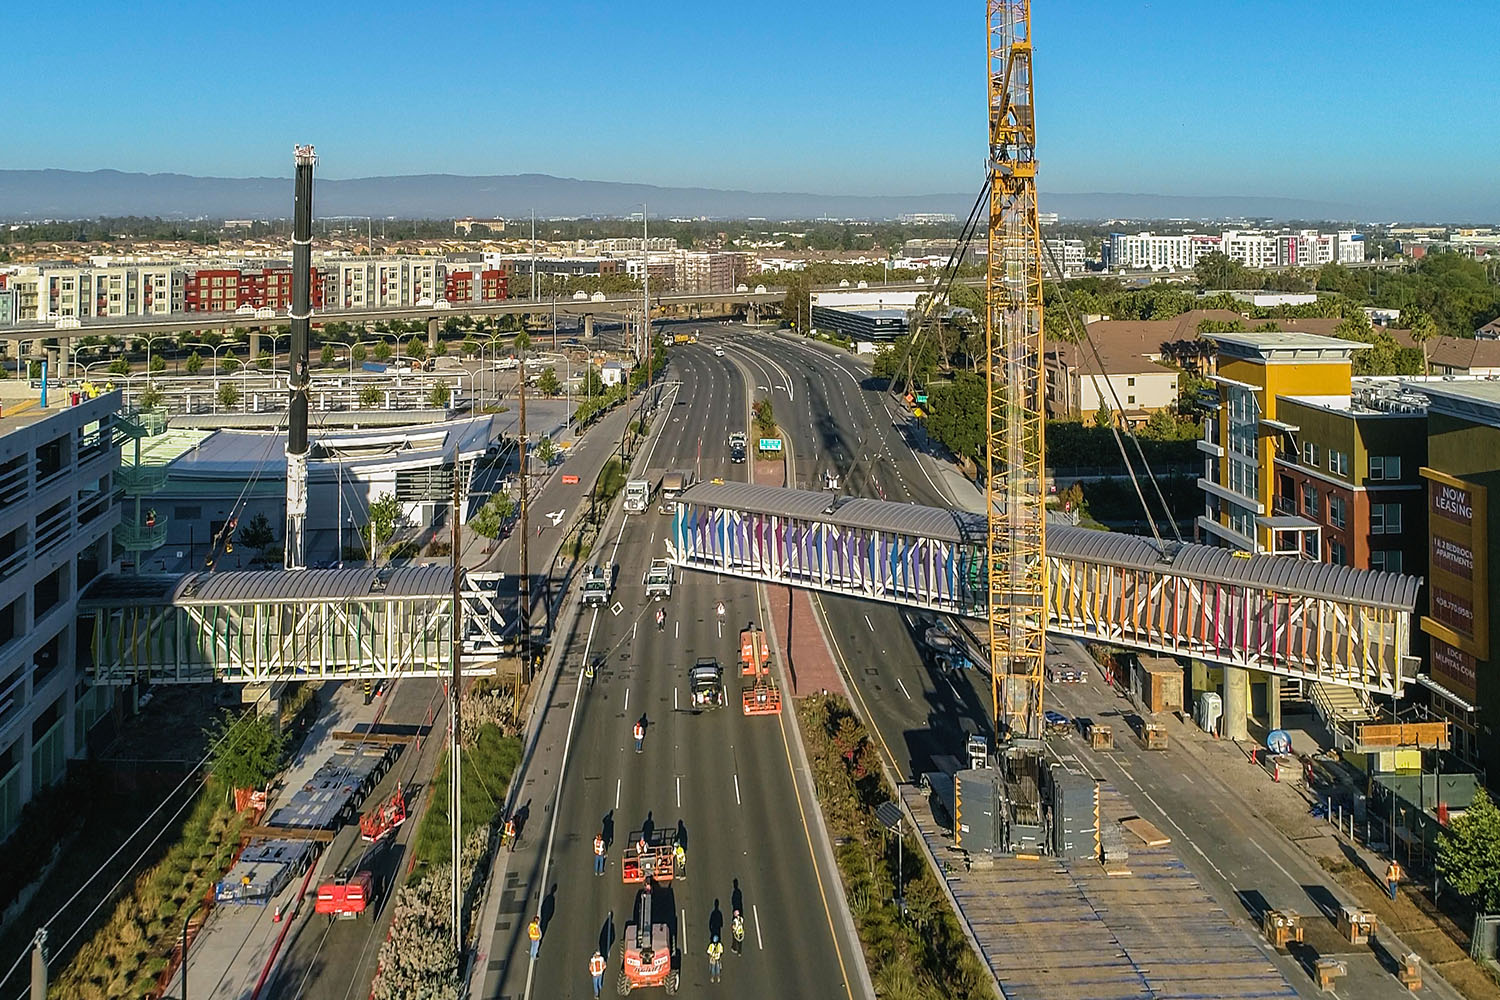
(674, 699)
(618, 782)
(679, 792)
(903, 689)
(676, 630)
(737, 788)
(756, 914)
(1290, 877)
(721, 630)
(561, 772)
(627, 699)
(683, 925)
(867, 623)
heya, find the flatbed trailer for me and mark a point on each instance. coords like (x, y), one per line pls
(333, 795)
(263, 869)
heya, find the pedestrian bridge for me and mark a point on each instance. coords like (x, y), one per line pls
(1291, 617)
(281, 625)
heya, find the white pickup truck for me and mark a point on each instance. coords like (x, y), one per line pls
(658, 580)
(637, 496)
(597, 585)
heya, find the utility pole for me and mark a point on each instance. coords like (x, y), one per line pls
(455, 769)
(297, 367)
(524, 621)
(39, 966)
(643, 352)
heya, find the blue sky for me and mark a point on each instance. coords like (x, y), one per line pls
(1362, 102)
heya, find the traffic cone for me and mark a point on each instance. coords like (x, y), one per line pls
(276, 914)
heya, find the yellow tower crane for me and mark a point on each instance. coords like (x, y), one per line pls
(1014, 405)
(1014, 477)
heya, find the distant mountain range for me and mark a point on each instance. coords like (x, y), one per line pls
(71, 194)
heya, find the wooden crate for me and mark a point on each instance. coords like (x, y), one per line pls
(1154, 735)
(1356, 925)
(1281, 927)
(1101, 737)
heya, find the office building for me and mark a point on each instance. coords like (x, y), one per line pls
(1066, 254)
(57, 515)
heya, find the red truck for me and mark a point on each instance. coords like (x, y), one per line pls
(346, 897)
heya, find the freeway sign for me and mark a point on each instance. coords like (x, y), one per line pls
(770, 444)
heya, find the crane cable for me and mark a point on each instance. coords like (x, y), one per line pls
(1081, 329)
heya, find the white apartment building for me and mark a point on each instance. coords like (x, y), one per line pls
(1069, 256)
(1251, 249)
(57, 514)
(1308, 248)
(404, 280)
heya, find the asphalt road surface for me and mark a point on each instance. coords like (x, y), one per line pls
(723, 780)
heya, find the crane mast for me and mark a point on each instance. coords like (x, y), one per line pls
(1014, 476)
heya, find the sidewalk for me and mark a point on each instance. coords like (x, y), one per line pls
(230, 954)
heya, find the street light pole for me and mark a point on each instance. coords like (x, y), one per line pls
(185, 921)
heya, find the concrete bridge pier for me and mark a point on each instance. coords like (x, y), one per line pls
(432, 334)
(588, 326)
(1236, 703)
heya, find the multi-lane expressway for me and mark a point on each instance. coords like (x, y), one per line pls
(724, 780)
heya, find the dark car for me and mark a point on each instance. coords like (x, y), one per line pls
(706, 684)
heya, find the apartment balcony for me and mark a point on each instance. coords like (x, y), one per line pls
(146, 535)
(1210, 448)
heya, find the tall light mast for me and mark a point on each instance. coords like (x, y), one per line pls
(1014, 477)
(297, 361)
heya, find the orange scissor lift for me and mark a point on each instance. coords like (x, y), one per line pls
(762, 697)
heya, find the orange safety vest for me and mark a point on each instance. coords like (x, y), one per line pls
(598, 845)
(1393, 872)
(596, 965)
(640, 731)
(534, 930)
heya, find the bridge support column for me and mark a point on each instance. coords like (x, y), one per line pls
(64, 344)
(1236, 703)
(432, 334)
(1273, 701)
(255, 347)
(588, 326)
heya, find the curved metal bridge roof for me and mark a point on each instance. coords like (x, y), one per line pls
(1282, 574)
(274, 586)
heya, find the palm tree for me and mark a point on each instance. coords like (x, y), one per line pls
(1424, 329)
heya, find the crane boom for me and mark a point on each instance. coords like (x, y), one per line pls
(1014, 477)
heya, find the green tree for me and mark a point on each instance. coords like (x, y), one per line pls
(522, 342)
(369, 396)
(257, 534)
(440, 349)
(247, 750)
(491, 518)
(382, 352)
(796, 304)
(545, 451)
(151, 399)
(470, 348)
(119, 366)
(1423, 329)
(593, 382)
(386, 516)
(194, 363)
(1469, 853)
(765, 418)
(1217, 271)
(228, 396)
(158, 365)
(327, 356)
(548, 385)
(440, 395)
(416, 348)
(1104, 417)
(264, 360)
(358, 354)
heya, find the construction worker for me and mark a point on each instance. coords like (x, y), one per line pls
(599, 853)
(596, 969)
(737, 930)
(1392, 878)
(534, 932)
(510, 833)
(661, 620)
(715, 960)
(640, 735)
(641, 847)
(679, 860)
(720, 610)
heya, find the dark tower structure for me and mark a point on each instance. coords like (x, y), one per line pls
(301, 315)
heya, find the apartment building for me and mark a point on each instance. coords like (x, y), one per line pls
(1068, 254)
(57, 515)
(1349, 489)
(1135, 379)
(1307, 248)
(1254, 372)
(474, 283)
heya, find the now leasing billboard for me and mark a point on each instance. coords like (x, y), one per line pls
(1458, 577)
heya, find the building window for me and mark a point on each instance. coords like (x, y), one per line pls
(1385, 519)
(1130, 380)
(1337, 511)
(1310, 500)
(1384, 468)
(1130, 400)
(1337, 554)
(1386, 559)
(1310, 454)
(1338, 462)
